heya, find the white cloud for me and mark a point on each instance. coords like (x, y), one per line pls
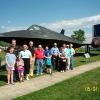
(8, 28)
(69, 26)
(15, 28)
(72, 25)
(76, 23)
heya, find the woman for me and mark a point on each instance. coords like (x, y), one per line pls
(63, 58)
(26, 56)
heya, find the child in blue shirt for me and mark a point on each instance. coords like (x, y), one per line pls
(48, 63)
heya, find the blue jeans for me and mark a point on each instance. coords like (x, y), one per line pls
(39, 66)
(72, 62)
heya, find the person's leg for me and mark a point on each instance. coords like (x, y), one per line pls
(56, 63)
(14, 76)
(27, 68)
(8, 76)
(68, 61)
(32, 68)
(37, 66)
(47, 69)
(64, 67)
(50, 70)
(11, 76)
(25, 64)
(19, 75)
(41, 66)
(22, 74)
(53, 62)
(60, 65)
(72, 62)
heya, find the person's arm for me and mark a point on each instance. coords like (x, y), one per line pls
(51, 51)
(20, 55)
(30, 56)
(14, 61)
(7, 62)
(73, 51)
(22, 63)
(17, 63)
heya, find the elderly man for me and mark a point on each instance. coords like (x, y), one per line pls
(39, 55)
(55, 55)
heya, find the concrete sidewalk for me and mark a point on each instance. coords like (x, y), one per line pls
(8, 92)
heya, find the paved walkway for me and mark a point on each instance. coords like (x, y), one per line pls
(11, 91)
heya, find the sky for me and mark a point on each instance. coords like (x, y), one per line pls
(70, 15)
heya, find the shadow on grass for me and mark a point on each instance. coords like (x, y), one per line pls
(3, 77)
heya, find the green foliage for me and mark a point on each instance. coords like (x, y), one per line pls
(79, 35)
(4, 44)
(2, 55)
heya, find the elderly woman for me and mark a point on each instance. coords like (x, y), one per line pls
(32, 50)
(72, 57)
(25, 54)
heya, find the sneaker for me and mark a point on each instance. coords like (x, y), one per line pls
(12, 83)
(63, 71)
(27, 78)
(41, 73)
(67, 68)
(37, 74)
(7, 83)
(50, 74)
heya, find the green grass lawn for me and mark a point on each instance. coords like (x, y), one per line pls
(79, 60)
(82, 87)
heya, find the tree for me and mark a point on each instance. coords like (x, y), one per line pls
(4, 44)
(79, 35)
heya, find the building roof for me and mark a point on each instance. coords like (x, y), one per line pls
(39, 32)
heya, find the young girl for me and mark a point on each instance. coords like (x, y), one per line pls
(10, 64)
(20, 68)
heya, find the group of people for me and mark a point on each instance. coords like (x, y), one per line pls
(20, 61)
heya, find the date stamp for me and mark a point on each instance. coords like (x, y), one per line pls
(92, 88)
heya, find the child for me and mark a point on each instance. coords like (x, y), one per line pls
(20, 68)
(10, 64)
(48, 60)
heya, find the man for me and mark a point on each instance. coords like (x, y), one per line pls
(16, 52)
(16, 48)
(32, 50)
(72, 57)
(55, 55)
(39, 55)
